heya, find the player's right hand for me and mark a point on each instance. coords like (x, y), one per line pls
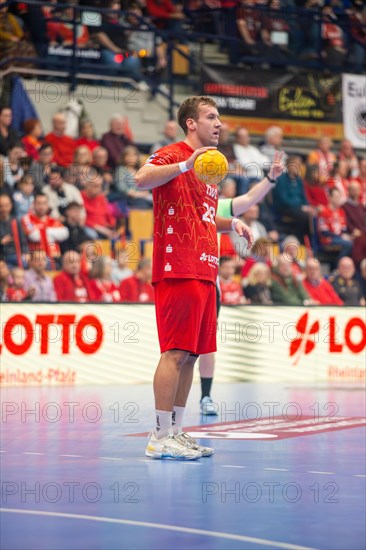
(197, 153)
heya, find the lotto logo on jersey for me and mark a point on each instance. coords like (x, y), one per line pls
(211, 260)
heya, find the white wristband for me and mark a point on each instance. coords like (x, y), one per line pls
(234, 221)
(183, 167)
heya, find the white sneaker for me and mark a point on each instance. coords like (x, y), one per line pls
(208, 407)
(170, 447)
(191, 443)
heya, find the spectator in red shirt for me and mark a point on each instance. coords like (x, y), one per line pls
(17, 291)
(334, 50)
(315, 191)
(332, 225)
(318, 288)
(63, 145)
(115, 140)
(99, 223)
(138, 288)
(62, 31)
(71, 285)
(102, 288)
(276, 31)
(87, 136)
(43, 232)
(231, 290)
(31, 140)
(166, 14)
(249, 25)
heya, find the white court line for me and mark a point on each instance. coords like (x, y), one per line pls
(109, 458)
(165, 527)
(33, 453)
(72, 456)
(160, 460)
(231, 466)
(277, 469)
(360, 475)
(325, 473)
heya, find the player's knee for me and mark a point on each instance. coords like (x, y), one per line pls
(177, 357)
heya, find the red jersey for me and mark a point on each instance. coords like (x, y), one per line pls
(332, 221)
(185, 238)
(333, 35)
(31, 146)
(231, 292)
(97, 211)
(323, 292)
(133, 289)
(16, 294)
(63, 147)
(50, 231)
(316, 194)
(249, 262)
(104, 291)
(227, 247)
(90, 143)
(71, 288)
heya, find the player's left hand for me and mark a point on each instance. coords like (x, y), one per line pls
(244, 231)
(277, 166)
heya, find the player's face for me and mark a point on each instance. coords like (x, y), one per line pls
(208, 125)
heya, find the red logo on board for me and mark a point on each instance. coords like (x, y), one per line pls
(351, 336)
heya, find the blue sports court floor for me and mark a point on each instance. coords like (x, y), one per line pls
(288, 472)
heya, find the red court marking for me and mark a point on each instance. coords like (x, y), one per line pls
(269, 429)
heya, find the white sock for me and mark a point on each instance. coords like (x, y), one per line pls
(177, 419)
(163, 423)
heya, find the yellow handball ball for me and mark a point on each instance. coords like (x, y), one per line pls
(211, 167)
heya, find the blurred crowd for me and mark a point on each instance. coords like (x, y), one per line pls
(60, 195)
(132, 37)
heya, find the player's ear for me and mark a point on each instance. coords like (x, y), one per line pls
(191, 123)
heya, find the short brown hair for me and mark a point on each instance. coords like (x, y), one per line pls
(189, 109)
(30, 124)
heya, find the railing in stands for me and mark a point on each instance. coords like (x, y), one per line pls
(303, 47)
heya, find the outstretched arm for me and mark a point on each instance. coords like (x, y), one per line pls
(257, 192)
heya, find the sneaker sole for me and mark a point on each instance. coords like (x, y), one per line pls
(160, 456)
(208, 454)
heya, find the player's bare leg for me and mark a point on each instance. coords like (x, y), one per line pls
(162, 443)
(167, 377)
(185, 381)
(184, 386)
